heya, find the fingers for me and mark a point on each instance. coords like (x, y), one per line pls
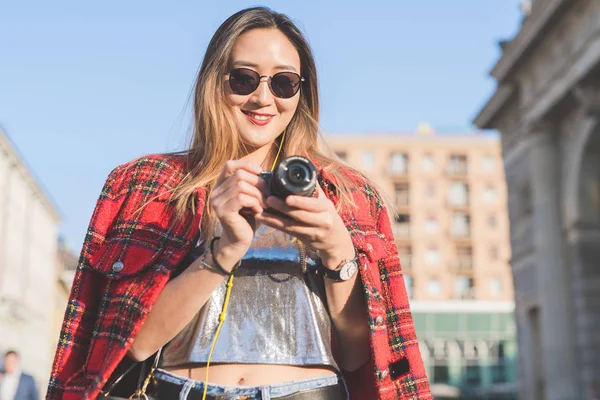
(239, 180)
(245, 182)
(236, 195)
(232, 166)
(311, 204)
(311, 218)
(288, 225)
(240, 201)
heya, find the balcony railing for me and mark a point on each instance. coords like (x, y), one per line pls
(462, 264)
(401, 230)
(402, 200)
(454, 203)
(468, 294)
(457, 170)
(397, 171)
(461, 233)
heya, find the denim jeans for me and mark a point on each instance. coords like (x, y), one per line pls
(265, 392)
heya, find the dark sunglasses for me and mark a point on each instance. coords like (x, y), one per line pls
(283, 84)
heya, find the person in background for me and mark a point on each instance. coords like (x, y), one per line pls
(14, 383)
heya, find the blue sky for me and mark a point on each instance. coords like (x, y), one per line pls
(85, 87)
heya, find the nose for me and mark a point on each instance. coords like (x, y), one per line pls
(262, 96)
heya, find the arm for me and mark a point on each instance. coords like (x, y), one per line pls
(33, 393)
(348, 311)
(133, 195)
(238, 187)
(84, 298)
(176, 305)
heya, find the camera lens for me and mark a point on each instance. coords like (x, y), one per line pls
(297, 174)
(294, 175)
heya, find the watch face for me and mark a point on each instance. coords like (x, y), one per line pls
(348, 270)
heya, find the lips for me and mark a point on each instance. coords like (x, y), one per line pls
(258, 118)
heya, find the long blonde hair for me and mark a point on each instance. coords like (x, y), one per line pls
(215, 139)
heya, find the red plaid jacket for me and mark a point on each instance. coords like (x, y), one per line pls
(130, 251)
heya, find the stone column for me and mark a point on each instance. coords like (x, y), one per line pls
(527, 378)
(554, 281)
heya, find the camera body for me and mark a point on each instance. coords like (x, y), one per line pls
(294, 175)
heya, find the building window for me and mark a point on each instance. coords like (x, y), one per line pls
(440, 374)
(399, 164)
(427, 162)
(463, 287)
(461, 225)
(432, 225)
(342, 155)
(493, 253)
(459, 194)
(464, 259)
(368, 160)
(490, 194)
(434, 287)
(499, 374)
(408, 282)
(473, 375)
(457, 165)
(500, 350)
(405, 253)
(495, 287)
(492, 222)
(430, 191)
(432, 256)
(487, 163)
(402, 194)
(402, 226)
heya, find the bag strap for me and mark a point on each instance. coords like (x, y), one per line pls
(142, 383)
(113, 384)
(142, 392)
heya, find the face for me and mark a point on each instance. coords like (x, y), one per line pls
(260, 117)
(11, 363)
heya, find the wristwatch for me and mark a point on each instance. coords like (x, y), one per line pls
(345, 271)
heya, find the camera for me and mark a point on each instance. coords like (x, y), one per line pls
(294, 175)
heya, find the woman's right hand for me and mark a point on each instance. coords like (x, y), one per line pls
(238, 187)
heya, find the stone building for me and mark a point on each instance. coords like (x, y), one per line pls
(547, 108)
(448, 194)
(28, 254)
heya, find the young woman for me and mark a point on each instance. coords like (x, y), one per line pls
(317, 307)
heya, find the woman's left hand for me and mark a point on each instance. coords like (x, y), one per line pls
(315, 222)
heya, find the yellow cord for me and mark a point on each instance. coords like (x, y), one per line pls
(278, 151)
(223, 313)
(221, 321)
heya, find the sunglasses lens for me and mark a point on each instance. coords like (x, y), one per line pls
(285, 84)
(243, 81)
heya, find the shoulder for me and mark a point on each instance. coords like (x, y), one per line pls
(363, 192)
(27, 378)
(332, 173)
(153, 173)
(360, 181)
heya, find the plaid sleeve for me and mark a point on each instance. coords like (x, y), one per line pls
(128, 253)
(397, 370)
(82, 306)
(405, 369)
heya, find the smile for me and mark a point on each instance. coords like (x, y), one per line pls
(258, 119)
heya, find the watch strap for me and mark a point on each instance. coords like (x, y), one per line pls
(335, 274)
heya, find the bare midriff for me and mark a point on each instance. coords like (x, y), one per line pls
(252, 374)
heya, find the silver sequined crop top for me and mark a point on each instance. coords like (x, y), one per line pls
(277, 312)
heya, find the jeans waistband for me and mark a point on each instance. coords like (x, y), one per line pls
(189, 388)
